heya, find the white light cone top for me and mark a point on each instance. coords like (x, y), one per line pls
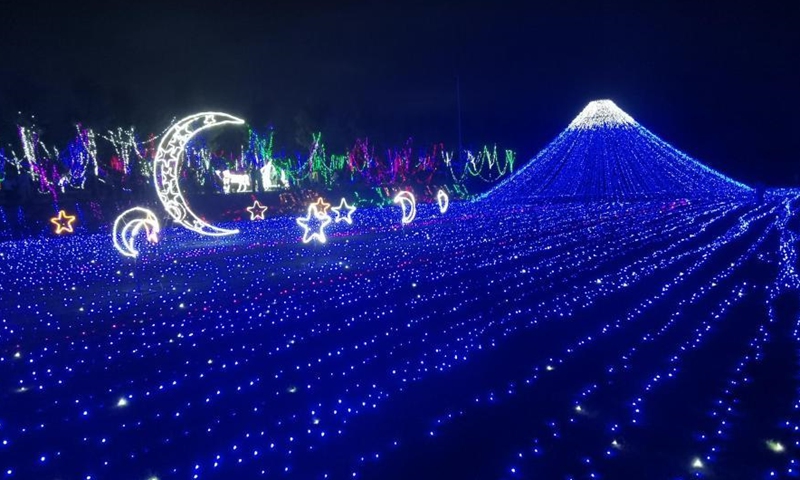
(601, 113)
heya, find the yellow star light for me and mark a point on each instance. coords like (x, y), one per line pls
(322, 205)
(257, 211)
(63, 222)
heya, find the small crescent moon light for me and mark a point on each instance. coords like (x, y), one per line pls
(444, 201)
(408, 203)
(166, 169)
(128, 225)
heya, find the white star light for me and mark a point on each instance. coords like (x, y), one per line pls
(347, 217)
(257, 211)
(319, 233)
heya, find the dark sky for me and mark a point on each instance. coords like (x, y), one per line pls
(720, 81)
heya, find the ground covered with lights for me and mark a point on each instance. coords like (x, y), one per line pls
(578, 340)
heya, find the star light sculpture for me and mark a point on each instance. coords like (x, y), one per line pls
(322, 205)
(318, 233)
(257, 211)
(344, 217)
(63, 222)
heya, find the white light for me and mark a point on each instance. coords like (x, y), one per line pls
(443, 200)
(322, 217)
(347, 217)
(123, 402)
(257, 211)
(241, 180)
(601, 113)
(697, 463)
(268, 172)
(775, 446)
(408, 203)
(128, 225)
(167, 163)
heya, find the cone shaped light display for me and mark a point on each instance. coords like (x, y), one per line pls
(604, 154)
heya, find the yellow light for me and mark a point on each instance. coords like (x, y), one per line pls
(63, 222)
(122, 402)
(322, 205)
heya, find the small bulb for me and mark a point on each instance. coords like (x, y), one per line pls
(775, 446)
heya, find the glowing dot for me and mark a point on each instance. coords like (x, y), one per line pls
(775, 446)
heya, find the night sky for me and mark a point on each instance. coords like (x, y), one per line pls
(719, 82)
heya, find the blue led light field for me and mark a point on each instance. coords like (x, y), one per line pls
(615, 309)
(491, 342)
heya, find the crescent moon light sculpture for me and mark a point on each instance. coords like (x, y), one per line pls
(408, 203)
(443, 200)
(166, 169)
(128, 225)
